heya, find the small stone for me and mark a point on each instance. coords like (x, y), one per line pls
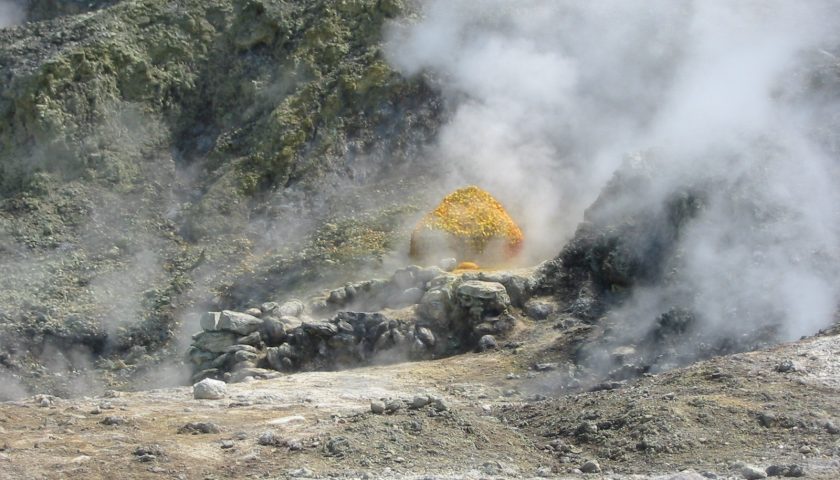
(487, 342)
(269, 438)
(196, 428)
(420, 401)
(440, 405)
(750, 472)
(153, 450)
(538, 310)
(226, 444)
(45, 402)
(786, 366)
(113, 420)
(209, 389)
(545, 367)
(254, 312)
(377, 407)
(591, 466)
(831, 428)
(392, 406)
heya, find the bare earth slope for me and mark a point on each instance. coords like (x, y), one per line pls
(777, 407)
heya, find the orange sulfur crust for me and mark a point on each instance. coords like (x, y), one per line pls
(473, 219)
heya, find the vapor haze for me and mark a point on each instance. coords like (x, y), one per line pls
(11, 13)
(547, 98)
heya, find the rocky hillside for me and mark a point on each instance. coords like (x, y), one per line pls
(160, 158)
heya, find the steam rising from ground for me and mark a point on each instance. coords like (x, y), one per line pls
(11, 13)
(548, 97)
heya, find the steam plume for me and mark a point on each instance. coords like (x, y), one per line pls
(548, 97)
(11, 13)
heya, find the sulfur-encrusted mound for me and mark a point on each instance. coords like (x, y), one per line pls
(469, 224)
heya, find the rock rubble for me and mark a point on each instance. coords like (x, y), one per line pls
(419, 313)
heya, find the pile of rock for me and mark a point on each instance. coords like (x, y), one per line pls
(419, 313)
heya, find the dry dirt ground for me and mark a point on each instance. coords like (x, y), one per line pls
(504, 419)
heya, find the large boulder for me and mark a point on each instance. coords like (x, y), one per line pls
(481, 298)
(241, 323)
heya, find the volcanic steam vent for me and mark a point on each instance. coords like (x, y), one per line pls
(470, 225)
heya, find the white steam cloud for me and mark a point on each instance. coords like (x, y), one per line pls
(11, 13)
(548, 97)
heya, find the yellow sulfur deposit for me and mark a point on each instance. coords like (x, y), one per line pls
(469, 224)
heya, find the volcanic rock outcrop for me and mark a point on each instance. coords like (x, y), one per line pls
(419, 313)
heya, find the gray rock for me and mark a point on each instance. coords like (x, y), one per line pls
(487, 342)
(392, 406)
(198, 356)
(591, 466)
(196, 428)
(337, 297)
(538, 310)
(244, 356)
(274, 330)
(254, 340)
(275, 356)
(112, 420)
(831, 428)
(269, 438)
(291, 308)
(420, 401)
(269, 307)
(215, 342)
(480, 298)
(436, 305)
(791, 470)
(210, 321)
(209, 389)
(254, 312)
(377, 407)
(750, 472)
(240, 323)
(786, 366)
(412, 295)
(241, 348)
(320, 329)
(426, 336)
(440, 405)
